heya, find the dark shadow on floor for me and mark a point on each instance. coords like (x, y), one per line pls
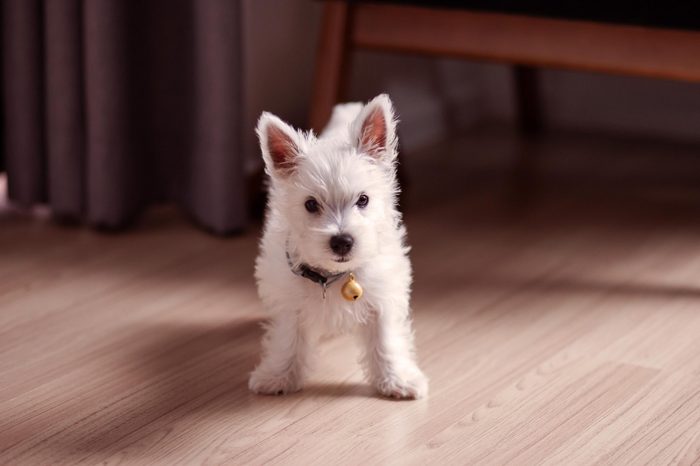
(186, 374)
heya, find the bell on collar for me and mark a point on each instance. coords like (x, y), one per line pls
(351, 290)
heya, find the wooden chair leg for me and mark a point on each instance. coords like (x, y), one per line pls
(529, 121)
(331, 62)
(528, 102)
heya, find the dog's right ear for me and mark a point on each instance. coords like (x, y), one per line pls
(279, 144)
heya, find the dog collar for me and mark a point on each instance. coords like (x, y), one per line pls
(351, 290)
(323, 278)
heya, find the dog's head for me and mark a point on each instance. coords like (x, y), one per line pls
(337, 194)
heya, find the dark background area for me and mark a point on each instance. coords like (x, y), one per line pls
(164, 74)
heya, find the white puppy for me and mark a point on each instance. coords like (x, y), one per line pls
(332, 218)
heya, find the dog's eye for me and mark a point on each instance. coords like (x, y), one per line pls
(362, 201)
(311, 205)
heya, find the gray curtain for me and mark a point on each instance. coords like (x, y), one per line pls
(111, 105)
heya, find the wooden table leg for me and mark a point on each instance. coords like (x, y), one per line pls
(331, 62)
(528, 100)
(529, 117)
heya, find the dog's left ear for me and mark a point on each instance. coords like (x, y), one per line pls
(374, 130)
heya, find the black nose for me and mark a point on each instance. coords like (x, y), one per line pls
(341, 244)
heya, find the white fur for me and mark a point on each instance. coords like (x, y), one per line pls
(335, 169)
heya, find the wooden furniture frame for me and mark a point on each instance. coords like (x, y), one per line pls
(524, 41)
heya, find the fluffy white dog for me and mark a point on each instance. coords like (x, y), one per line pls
(332, 257)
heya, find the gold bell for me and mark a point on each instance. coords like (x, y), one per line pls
(351, 290)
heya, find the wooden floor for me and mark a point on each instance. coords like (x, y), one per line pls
(564, 332)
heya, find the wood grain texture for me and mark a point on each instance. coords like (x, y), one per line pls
(579, 45)
(566, 336)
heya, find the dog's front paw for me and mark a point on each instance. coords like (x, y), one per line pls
(264, 383)
(411, 384)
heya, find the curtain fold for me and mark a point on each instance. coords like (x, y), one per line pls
(110, 106)
(217, 83)
(114, 184)
(65, 148)
(24, 100)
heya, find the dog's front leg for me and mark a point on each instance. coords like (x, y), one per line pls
(389, 359)
(285, 360)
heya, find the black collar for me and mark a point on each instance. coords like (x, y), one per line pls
(322, 277)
